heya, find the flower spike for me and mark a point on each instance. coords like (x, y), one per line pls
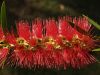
(48, 44)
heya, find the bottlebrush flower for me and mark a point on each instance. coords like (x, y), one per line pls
(4, 48)
(50, 44)
(3, 56)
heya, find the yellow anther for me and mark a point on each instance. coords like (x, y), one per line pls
(39, 41)
(6, 46)
(23, 42)
(76, 39)
(2, 41)
(12, 45)
(20, 40)
(57, 47)
(50, 40)
(82, 44)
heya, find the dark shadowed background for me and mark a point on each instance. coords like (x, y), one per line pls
(30, 9)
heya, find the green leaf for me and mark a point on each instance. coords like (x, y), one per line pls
(96, 50)
(3, 17)
(93, 22)
(6, 26)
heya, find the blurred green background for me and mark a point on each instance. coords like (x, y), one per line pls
(30, 9)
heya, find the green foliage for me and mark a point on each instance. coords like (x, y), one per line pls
(3, 17)
(93, 22)
(98, 49)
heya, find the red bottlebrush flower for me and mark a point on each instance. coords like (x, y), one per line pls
(65, 29)
(3, 48)
(37, 30)
(82, 23)
(11, 39)
(24, 53)
(51, 28)
(24, 30)
(1, 34)
(22, 58)
(3, 56)
(50, 44)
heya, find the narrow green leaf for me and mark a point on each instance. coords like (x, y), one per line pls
(6, 26)
(3, 17)
(93, 22)
(98, 49)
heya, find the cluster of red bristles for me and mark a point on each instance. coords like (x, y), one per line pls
(48, 44)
